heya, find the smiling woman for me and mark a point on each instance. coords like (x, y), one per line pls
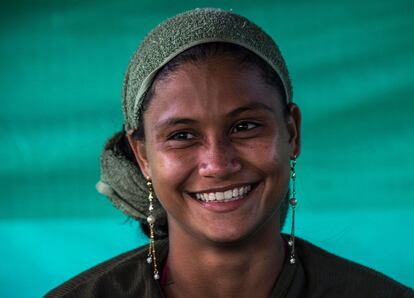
(205, 162)
(201, 152)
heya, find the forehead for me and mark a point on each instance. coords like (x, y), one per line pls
(215, 85)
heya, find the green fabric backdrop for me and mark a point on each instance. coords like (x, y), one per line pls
(61, 68)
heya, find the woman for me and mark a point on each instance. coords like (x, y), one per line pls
(209, 148)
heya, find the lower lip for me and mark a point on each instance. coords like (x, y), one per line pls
(225, 206)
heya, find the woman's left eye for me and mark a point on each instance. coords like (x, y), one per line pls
(243, 126)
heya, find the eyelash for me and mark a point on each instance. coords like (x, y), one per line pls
(252, 125)
(178, 136)
(238, 128)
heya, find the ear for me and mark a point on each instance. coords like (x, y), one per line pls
(138, 147)
(293, 124)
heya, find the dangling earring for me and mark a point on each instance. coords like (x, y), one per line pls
(151, 221)
(292, 202)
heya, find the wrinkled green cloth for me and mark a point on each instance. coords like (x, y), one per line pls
(184, 31)
(121, 180)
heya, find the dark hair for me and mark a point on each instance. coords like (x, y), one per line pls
(196, 54)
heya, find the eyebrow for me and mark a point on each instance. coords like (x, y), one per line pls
(251, 107)
(174, 121)
(188, 121)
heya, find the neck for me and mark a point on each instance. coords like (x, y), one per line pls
(248, 268)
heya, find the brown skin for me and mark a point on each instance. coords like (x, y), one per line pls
(211, 126)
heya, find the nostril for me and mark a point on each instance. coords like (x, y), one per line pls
(236, 165)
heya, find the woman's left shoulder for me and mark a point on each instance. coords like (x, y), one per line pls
(340, 277)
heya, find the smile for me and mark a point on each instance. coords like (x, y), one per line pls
(232, 194)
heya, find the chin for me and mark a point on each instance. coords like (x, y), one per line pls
(227, 236)
(242, 233)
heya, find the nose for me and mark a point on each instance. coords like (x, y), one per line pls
(218, 160)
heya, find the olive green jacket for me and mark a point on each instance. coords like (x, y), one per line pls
(316, 273)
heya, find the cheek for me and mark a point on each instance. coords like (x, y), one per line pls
(276, 170)
(169, 170)
(271, 155)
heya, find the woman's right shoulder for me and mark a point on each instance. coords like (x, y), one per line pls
(125, 275)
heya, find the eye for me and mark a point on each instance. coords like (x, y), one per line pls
(244, 126)
(181, 136)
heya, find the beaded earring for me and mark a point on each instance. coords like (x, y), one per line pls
(151, 221)
(292, 202)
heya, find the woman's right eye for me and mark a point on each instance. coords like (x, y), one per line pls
(181, 136)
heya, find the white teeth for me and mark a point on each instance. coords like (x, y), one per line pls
(228, 195)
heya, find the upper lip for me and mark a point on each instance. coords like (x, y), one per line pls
(224, 188)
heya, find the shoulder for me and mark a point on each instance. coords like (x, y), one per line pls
(334, 276)
(120, 276)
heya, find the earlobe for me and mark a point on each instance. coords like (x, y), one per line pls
(294, 121)
(138, 147)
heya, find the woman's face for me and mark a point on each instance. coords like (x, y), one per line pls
(217, 148)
